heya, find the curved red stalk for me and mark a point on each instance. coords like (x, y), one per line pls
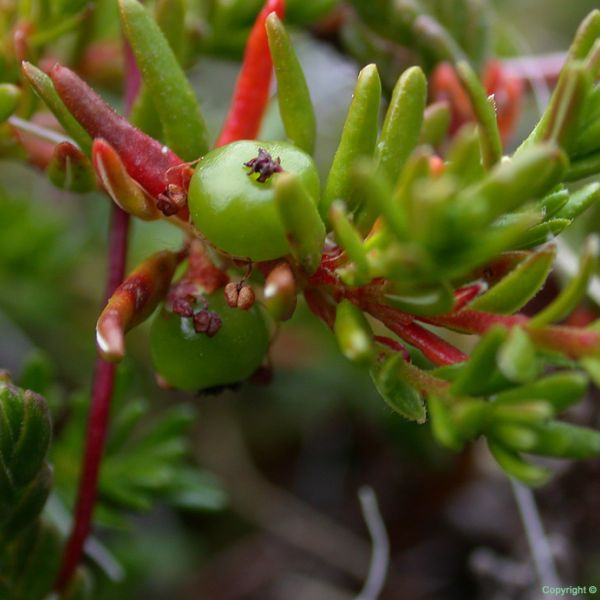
(251, 93)
(133, 302)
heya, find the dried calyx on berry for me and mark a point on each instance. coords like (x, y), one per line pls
(191, 360)
(264, 165)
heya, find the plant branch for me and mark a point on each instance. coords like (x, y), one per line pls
(103, 381)
(102, 391)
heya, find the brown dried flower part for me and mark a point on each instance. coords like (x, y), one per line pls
(239, 295)
(183, 306)
(207, 321)
(171, 201)
(264, 165)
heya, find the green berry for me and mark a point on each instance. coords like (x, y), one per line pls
(233, 205)
(194, 361)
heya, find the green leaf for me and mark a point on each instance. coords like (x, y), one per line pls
(519, 286)
(542, 233)
(25, 434)
(10, 96)
(523, 413)
(553, 202)
(442, 426)
(124, 423)
(353, 333)
(436, 124)
(567, 104)
(25, 505)
(170, 17)
(30, 564)
(432, 36)
(374, 188)
(580, 201)
(358, 272)
(295, 105)
(305, 231)
(464, 156)
(481, 364)
(469, 415)
(516, 467)
(592, 367)
(172, 95)
(398, 394)
(588, 140)
(583, 167)
(560, 390)
(517, 358)
(44, 88)
(532, 173)
(587, 34)
(358, 138)
(145, 461)
(402, 124)
(491, 145)
(564, 440)
(583, 42)
(575, 291)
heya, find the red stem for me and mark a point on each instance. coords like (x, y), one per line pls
(102, 390)
(433, 347)
(251, 93)
(474, 321)
(103, 380)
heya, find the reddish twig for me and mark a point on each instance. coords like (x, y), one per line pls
(433, 347)
(102, 390)
(103, 382)
(251, 93)
(474, 321)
